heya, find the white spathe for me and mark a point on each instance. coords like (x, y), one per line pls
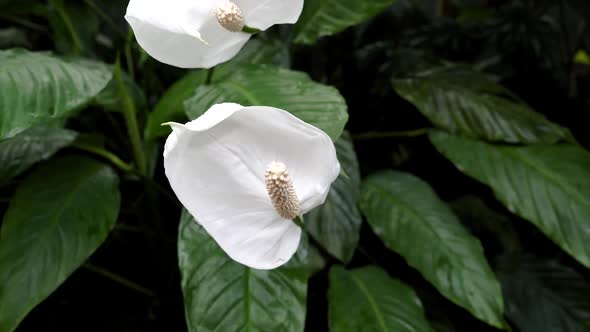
(186, 33)
(216, 166)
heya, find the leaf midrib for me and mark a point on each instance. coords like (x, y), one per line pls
(371, 301)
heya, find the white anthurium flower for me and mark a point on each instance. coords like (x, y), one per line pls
(245, 173)
(203, 33)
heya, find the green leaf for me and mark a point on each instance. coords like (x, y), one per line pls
(544, 295)
(327, 17)
(307, 258)
(223, 295)
(255, 85)
(411, 220)
(171, 108)
(37, 88)
(20, 152)
(367, 299)
(548, 185)
(336, 224)
(464, 101)
(58, 216)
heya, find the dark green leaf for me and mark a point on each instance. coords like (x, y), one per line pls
(223, 295)
(326, 17)
(254, 85)
(170, 107)
(544, 295)
(36, 88)
(469, 103)
(20, 152)
(367, 299)
(59, 215)
(336, 224)
(408, 216)
(547, 185)
(307, 259)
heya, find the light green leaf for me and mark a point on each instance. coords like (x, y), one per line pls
(58, 216)
(223, 295)
(411, 220)
(261, 85)
(467, 102)
(548, 185)
(37, 88)
(544, 295)
(367, 299)
(171, 108)
(20, 152)
(336, 224)
(327, 17)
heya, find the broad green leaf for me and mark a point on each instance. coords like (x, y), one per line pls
(37, 88)
(367, 299)
(548, 185)
(327, 17)
(223, 295)
(170, 107)
(467, 102)
(336, 224)
(255, 85)
(20, 152)
(544, 295)
(58, 216)
(411, 220)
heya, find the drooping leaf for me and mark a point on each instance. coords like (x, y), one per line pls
(223, 295)
(336, 224)
(467, 102)
(327, 17)
(20, 152)
(411, 220)
(367, 299)
(544, 295)
(314, 103)
(171, 108)
(548, 185)
(58, 216)
(36, 88)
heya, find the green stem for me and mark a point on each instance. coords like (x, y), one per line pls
(129, 112)
(210, 72)
(105, 17)
(299, 221)
(129, 54)
(113, 159)
(390, 134)
(118, 279)
(69, 26)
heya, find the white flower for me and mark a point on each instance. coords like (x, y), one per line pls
(203, 33)
(244, 172)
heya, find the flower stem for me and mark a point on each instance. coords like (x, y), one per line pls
(129, 54)
(129, 112)
(299, 221)
(118, 279)
(112, 158)
(390, 134)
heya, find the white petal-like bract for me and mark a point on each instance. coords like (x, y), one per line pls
(187, 33)
(216, 166)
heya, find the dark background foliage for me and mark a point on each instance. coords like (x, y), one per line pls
(533, 48)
